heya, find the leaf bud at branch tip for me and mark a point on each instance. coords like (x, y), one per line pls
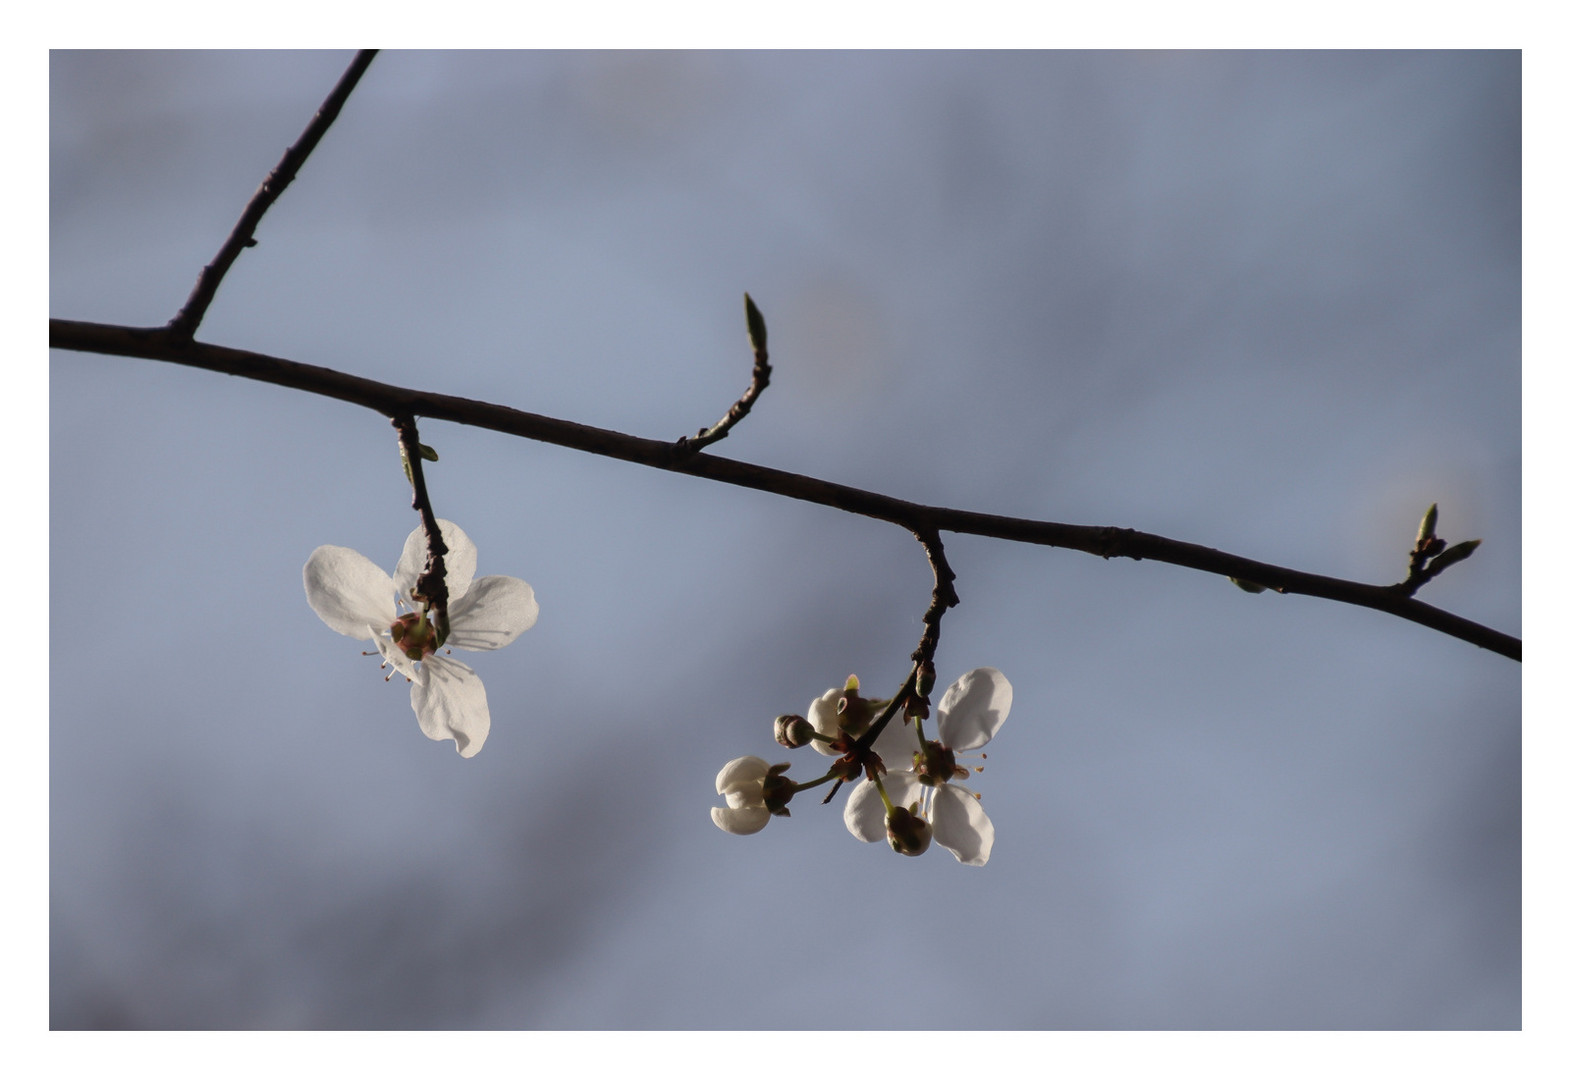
(1453, 555)
(757, 333)
(1426, 527)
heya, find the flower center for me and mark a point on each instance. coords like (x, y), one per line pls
(414, 635)
(937, 766)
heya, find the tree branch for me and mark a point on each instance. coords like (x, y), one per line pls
(432, 582)
(759, 337)
(1106, 541)
(186, 321)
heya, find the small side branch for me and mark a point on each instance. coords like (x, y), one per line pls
(185, 323)
(757, 334)
(1430, 555)
(919, 683)
(944, 595)
(432, 583)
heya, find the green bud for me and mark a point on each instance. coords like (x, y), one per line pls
(427, 453)
(1247, 586)
(756, 330)
(925, 678)
(1426, 527)
(1454, 554)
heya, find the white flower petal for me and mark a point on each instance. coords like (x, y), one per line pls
(348, 591)
(864, 813)
(493, 612)
(821, 714)
(740, 822)
(903, 788)
(739, 771)
(897, 744)
(973, 709)
(451, 704)
(960, 824)
(460, 560)
(399, 659)
(744, 796)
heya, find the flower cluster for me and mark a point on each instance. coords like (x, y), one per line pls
(356, 597)
(908, 794)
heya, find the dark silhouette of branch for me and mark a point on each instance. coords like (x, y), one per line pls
(919, 683)
(432, 583)
(759, 336)
(189, 317)
(1106, 541)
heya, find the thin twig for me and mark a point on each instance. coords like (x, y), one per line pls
(944, 598)
(758, 336)
(189, 317)
(432, 583)
(1106, 541)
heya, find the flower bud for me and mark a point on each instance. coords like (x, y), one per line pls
(925, 677)
(793, 731)
(908, 834)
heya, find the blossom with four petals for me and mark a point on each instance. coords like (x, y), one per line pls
(354, 596)
(969, 715)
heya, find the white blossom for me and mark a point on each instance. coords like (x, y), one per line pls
(354, 596)
(741, 782)
(895, 743)
(972, 710)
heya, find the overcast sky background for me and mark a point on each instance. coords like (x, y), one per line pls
(1267, 302)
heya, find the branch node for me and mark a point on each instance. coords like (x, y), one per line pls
(1430, 555)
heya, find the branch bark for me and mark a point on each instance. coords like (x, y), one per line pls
(432, 582)
(1106, 541)
(189, 317)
